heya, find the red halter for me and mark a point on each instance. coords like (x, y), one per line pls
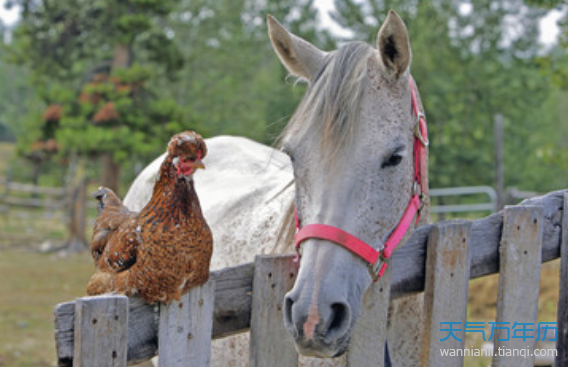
(355, 245)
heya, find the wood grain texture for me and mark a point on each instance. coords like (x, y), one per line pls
(370, 333)
(184, 336)
(233, 289)
(233, 300)
(445, 295)
(562, 341)
(409, 260)
(271, 345)
(519, 280)
(101, 331)
(64, 324)
(142, 330)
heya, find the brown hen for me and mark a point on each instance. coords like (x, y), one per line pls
(165, 249)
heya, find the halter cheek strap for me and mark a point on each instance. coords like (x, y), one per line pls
(361, 248)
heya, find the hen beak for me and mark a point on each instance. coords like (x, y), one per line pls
(198, 164)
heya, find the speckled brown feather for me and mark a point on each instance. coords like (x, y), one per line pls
(164, 250)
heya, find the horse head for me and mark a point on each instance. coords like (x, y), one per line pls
(351, 142)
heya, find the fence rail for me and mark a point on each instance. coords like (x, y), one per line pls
(49, 199)
(519, 238)
(490, 206)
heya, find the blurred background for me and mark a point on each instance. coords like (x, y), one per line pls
(90, 91)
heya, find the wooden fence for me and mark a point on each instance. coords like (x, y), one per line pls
(26, 203)
(64, 206)
(438, 260)
(51, 200)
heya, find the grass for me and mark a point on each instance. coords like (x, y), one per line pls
(6, 152)
(32, 284)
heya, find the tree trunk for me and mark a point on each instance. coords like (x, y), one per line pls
(110, 172)
(77, 218)
(121, 57)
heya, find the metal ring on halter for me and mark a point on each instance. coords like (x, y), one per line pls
(376, 267)
(417, 132)
(417, 189)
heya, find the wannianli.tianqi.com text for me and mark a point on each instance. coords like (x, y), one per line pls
(498, 352)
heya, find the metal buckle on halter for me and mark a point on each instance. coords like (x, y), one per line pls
(417, 190)
(376, 267)
(417, 132)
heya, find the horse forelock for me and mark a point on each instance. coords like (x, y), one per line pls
(330, 109)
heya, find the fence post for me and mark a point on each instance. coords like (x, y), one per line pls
(499, 161)
(101, 331)
(562, 340)
(184, 336)
(519, 281)
(270, 343)
(445, 293)
(368, 340)
(77, 215)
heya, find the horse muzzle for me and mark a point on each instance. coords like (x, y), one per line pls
(319, 330)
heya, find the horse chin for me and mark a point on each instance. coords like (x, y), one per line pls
(319, 349)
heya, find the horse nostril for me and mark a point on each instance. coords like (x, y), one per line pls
(288, 303)
(339, 321)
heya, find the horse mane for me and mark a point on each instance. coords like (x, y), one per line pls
(330, 109)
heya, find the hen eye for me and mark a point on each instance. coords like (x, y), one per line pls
(392, 161)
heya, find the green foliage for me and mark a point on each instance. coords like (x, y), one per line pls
(232, 80)
(120, 114)
(16, 98)
(214, 59)
(230, 83)
(86, 60)
(63, 40)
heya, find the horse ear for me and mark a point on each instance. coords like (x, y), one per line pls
(300, 57)
(393, 45)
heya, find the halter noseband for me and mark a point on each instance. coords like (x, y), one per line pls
(355, 245)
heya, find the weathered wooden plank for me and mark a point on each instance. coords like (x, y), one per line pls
(64, 323)
(39, 203)
(270, 343)
(369, 336)
(445, 294)
(233, 289)
(184, 336)
(22, 187)
(233, 298)
(101, 331)
(562, 341)
(409, 260)
(519, 277)
(142, 330)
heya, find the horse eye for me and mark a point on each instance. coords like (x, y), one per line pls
(393, 160)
